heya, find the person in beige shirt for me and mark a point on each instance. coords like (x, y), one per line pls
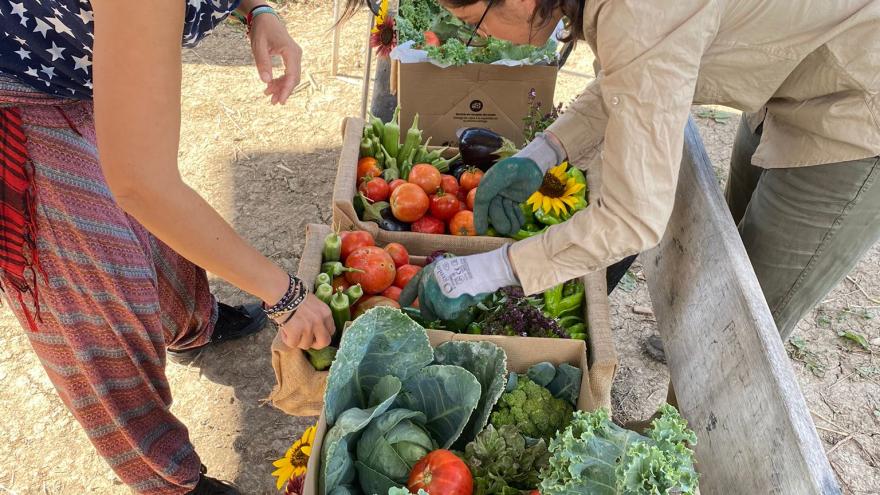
(803, 185)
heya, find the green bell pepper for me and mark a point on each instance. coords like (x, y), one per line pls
(527, 212)
(547, 218)
(528, 230)
(565, 299)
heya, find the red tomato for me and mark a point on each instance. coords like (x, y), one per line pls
(449, 184)
(377, 269)
(392, 293)
(396, 182)
(374, 188)
(409, 202)
(354, 239)
(340, 283)
(462, 223)
(471, 197)
(441, 473)
(431, 39)
(398, 253)
(428, 225)
(367, 303)
(471, 178)
(444, 206)
(425, 176)
(534, 492)
(368, 166)
(405, 274)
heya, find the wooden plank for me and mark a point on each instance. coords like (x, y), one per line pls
(733, 379)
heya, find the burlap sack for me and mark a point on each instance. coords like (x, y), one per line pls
(300, 388)
(346, 217)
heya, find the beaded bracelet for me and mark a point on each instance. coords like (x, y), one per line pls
(294, 296)
(257, 11)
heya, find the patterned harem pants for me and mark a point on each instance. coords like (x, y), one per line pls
(110, 298)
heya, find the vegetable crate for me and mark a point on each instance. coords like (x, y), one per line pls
(299, 388)
(345, 216)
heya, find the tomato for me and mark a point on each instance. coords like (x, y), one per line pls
(405, 274)
(425, 176)
(428, 225)
(431, 39)
(409, 202)
(462, 223)
(368, 166)
(441, 473)
(444, 206)
(471, 197)
(471, 178)
(374, 188)
(534, 492)
(354, 239)
(462, 195)
(396, 182)
(449, 184)
(340, 283)
(377, 269)
(398, 253)
(368, 303)
(392, 292)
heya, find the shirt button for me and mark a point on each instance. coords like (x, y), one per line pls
(615, 100)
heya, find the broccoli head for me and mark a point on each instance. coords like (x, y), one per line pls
(532, 409)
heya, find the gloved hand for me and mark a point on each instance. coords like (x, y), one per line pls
(510, 182)
(448, 287)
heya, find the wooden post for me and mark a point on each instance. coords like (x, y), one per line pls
(732, 377)
(368, 55)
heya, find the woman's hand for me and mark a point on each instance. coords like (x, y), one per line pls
(269, 37)
(310, 327)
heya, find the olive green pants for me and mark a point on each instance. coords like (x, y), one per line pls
(804, 228)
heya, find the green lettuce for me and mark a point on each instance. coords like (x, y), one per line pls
(504, 462)
(594, 455)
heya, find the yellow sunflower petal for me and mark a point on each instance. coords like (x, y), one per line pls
(569, 200)
(547, 203)
(306, 449)
(298, 471)
(559, 170)
(280, 463)
(558, 206)
(283, 475)
(311, 435)
(574, 188)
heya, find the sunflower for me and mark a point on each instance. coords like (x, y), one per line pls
(293, 464)
(295, 485)
(384, 34)
(557, 193)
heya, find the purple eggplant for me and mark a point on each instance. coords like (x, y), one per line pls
(481, 148)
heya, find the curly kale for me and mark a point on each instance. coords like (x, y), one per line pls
(504, 462)
(452, 52)
(594, 455)
(532, 409)
(414, 17)
(510, 313)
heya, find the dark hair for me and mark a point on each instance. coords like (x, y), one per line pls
(573, 10)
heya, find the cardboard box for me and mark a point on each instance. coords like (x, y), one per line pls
(472, 95)
(345, 216)
(297, 381)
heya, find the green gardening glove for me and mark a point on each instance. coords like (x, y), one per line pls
(507, 184)
(449, 287)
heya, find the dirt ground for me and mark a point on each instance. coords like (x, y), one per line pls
(269, 171)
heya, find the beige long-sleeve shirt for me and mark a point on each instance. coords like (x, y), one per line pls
(808, 69)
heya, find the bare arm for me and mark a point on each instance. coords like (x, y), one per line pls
(137, 76)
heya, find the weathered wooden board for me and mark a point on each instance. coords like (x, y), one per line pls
(732, 377)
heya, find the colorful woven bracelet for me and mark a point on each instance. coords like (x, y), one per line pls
(258, 11)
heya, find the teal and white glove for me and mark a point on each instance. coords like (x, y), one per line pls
(448, 287)
(510, 182)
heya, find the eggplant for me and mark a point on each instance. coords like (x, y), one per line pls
(457, 168)
(481, 148)
(388, 222)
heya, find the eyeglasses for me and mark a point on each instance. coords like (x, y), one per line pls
(479, 23)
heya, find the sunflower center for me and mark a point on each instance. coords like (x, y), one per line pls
(552, 187)
(299, 458)
(386, 35)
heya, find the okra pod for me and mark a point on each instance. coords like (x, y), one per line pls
(324, 292)
(323, 278)
(336, 268)
(412, 141)
(332, 247)
(354, 293)
(434, 155)
(377, 125)
(391, 136)
(443, 165)
(340, 309)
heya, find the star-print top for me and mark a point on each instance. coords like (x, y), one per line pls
(48, 44)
